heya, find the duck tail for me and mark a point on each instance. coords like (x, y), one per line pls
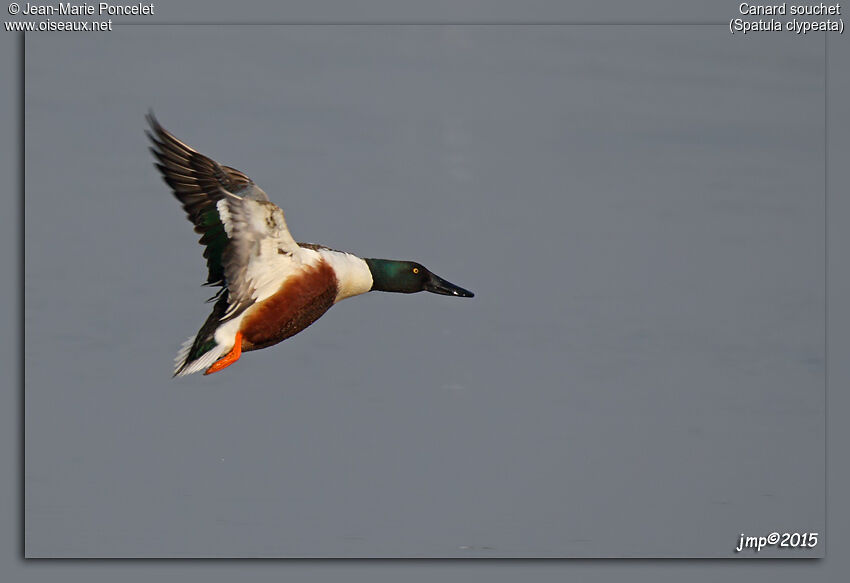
(201, 351)
(185, 363)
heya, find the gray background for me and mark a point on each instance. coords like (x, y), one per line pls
(837, 367)
(640, 210)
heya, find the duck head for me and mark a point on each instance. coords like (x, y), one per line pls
(409, 277)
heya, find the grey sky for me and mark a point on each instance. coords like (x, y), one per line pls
(639, 211)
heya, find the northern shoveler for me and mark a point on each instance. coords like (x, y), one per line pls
(272, 287)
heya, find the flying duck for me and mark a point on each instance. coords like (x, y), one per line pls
(272, 287)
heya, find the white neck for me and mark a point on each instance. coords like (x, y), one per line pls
(352, 273)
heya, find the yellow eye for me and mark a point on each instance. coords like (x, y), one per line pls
(415, 270)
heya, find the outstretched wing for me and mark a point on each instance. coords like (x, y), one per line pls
(249, 249)
(199, 183)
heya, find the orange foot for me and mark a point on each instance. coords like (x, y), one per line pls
(229, 358)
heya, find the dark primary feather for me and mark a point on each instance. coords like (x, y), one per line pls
(199, 183)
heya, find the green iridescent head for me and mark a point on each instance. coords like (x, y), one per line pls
(409, 277)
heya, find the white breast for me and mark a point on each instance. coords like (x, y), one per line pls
(352, 273)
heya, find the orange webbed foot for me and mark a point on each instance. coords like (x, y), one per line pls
(229, 358)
